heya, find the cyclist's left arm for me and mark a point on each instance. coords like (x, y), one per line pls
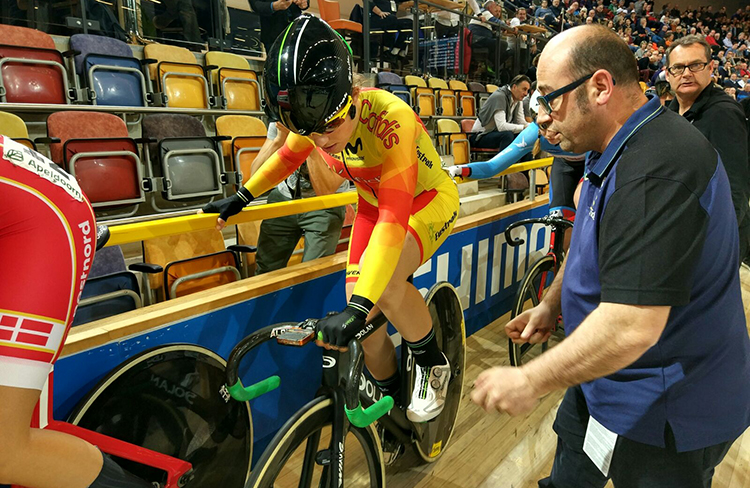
(398, 181)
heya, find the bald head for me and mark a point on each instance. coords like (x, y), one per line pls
(588, 48)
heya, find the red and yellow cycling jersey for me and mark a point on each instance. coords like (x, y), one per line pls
(392, 161)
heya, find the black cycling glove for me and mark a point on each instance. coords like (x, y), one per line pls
(231, 205)
(339, 329)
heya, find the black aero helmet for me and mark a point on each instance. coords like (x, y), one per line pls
(307, 76)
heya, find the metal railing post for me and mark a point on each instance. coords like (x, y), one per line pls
(366, 36)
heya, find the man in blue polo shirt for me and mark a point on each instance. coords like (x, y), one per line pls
(657, 355)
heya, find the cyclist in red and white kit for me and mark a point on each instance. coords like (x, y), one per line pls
(47, 244)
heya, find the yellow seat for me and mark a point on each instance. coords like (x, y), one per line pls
(466, 100)
(235, 81)
(248, 135)
(178, 76)
(541, 181)
(452, 141)
(491, 88)
(422, 96)
(191, 262)
(13, 126)
(446, 98)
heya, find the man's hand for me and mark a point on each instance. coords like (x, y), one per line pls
(281, 5)
(301, 4)
(376, 10)
(504, 389)
(533, 326)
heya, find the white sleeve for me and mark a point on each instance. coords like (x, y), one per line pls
(502, 124)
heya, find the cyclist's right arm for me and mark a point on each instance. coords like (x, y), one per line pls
(281, 164)
(520, 147)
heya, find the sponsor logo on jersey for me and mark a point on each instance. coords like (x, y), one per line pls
(445, 226)
(423, 157)
(356, 147)
(26, 158)
(378, 125)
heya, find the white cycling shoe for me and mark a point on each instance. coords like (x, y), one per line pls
(430, 388)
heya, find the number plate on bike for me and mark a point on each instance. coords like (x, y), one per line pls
(295, 336)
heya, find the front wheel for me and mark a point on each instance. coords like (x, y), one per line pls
(290, 458)
(530, 292)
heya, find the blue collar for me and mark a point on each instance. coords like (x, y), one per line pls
(599, 164)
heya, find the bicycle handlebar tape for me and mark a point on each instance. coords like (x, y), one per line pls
(361, 418)
(245, 394)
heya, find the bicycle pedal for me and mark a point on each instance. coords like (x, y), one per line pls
(323, 458)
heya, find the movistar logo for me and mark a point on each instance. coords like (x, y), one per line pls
(356, 147)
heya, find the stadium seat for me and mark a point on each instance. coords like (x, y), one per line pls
(236, 84)
(110, 288)
(477, 153)
(452, 141)
(423, 97)
(33, 70)
(393, 83)
(179, 80)
(247, 136)
(446, 98)
(182, 264)
(13, 126)
(466, 102)
(184, 168)
(107, 72)
(491, 88)
(480, 93)
(97, 150)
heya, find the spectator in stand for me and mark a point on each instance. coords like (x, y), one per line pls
(501, 117)
(732, 92)
(728, 43)
(732, 81)
(718, 118)
(482, 36)
(545, 14)
(383, 17)
(275, 16)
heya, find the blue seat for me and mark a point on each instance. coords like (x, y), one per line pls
(393, 83)
(109, 290)
(109, 74)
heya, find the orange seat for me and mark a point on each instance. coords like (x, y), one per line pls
(330, 11)
(189, 262)
(422, 96)
(235, 81)
(446, 98)
(466, 101)
(248, 135)
(452, 141)
(180, 80)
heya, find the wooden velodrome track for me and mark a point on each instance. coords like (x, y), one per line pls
(497, 451)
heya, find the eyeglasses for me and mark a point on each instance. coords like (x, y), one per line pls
(551, 102)
(323, 127)
(679, 69)
(339, 118)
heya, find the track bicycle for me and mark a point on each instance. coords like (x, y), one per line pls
(309, 450)
(537, 279)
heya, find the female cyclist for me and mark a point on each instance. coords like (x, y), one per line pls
(47, 241)
(407, 204)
